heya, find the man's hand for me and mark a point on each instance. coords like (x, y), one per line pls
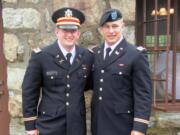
(32, 132)
(136, 133)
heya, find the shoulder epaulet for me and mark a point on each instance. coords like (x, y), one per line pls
(91, 50)
(36, 50)
(95, 49)
(141, 49)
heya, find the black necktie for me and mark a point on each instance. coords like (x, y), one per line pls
(107, 53)
(68, 56)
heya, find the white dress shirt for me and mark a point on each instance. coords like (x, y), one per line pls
(112, 46)
(73, 52)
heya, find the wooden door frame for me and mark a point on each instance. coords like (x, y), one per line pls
(4, 113)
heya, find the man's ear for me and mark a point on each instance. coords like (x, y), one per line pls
(79, 33)
(100, 30)
(123, 24)
(56, 31)
(122, 21)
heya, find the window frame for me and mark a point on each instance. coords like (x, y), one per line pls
(171, 27)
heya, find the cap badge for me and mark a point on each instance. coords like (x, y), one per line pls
(68, 13)
(114, 15)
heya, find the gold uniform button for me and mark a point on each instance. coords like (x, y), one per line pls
(67, 103)
(120, 73)
(44, 112)
(67, 94)
(52, 77)
(102, 71)
(68, 85)
(100, 98)
(129, 111)
(68, 76)
(100, 89)
(101, 80)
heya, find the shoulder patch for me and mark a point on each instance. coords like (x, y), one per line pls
(36, 50)
(141, 48)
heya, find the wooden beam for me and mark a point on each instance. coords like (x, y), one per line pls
(4, 114)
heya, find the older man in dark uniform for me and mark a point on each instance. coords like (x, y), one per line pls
(59, 72)
(121, 102)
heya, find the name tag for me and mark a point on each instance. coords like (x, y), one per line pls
(52, 73)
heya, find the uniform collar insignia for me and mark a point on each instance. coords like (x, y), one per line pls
(61, 61)
(57, 56)
(117, 53)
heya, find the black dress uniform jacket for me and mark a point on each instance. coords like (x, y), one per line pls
(122, 91)
(61, 109)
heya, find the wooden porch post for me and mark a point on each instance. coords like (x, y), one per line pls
(4, 114)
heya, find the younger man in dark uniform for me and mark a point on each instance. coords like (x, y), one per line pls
(60, 72)
(121, 102)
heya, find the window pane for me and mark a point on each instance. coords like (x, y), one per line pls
(162, 9)
(178, 27)
(160, 74)
(178, 75)
(150, 37)
(150, 6)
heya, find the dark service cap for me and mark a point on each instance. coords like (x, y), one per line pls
(68, 18)
(110, 15)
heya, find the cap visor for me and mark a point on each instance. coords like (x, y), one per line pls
(74, 27)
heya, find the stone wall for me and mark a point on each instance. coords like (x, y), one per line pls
(27, 25)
